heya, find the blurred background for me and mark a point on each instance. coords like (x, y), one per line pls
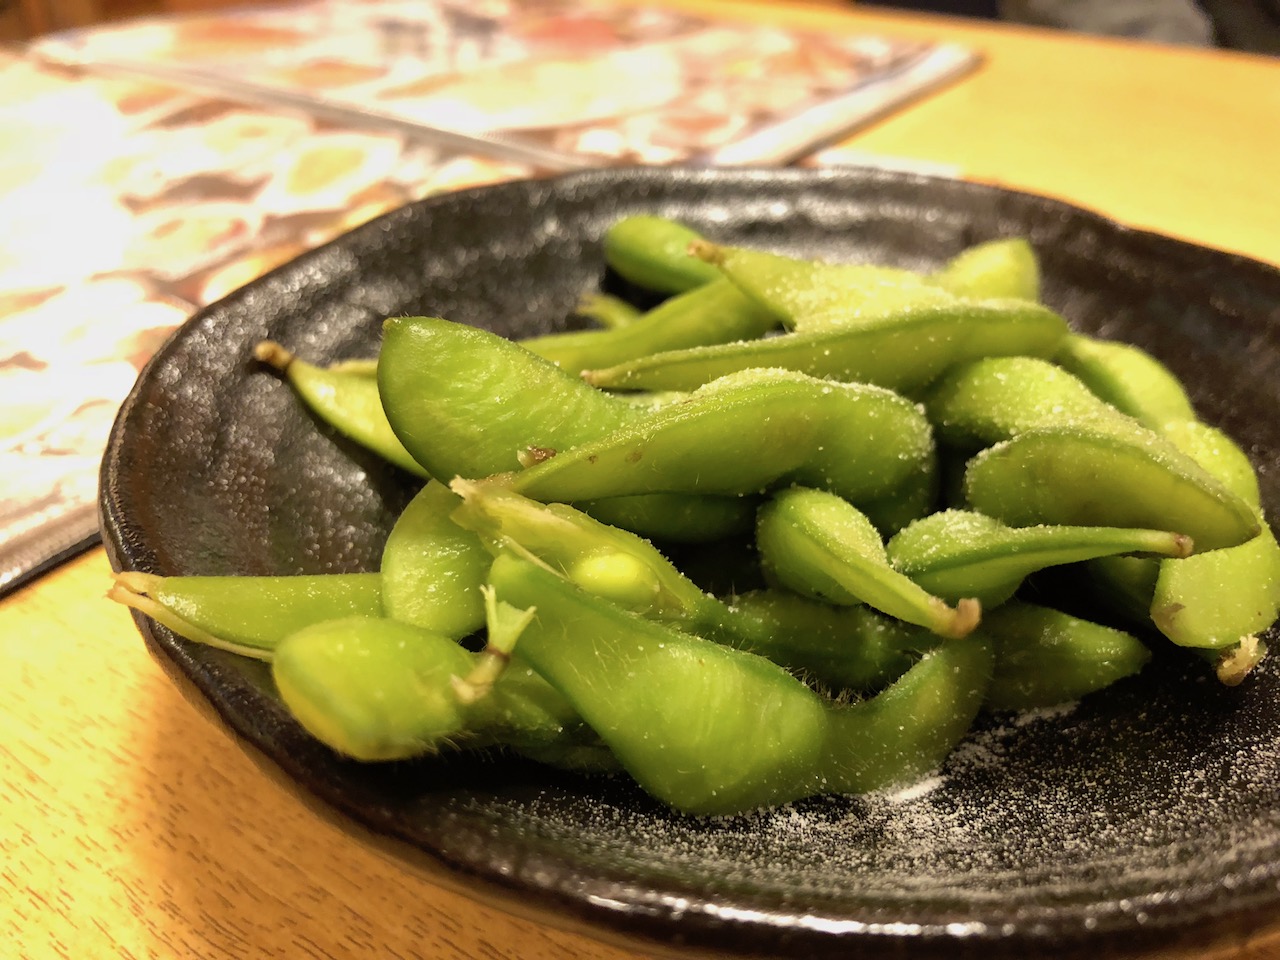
(1251, 25)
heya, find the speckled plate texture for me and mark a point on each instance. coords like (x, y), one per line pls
(1140, 817)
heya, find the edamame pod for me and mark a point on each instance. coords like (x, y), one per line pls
(654, 253)
(1215, 599)
(981, 403)
(469, 403)
(819, 545)
(746, 433)
(715, 312)
(958, 553)
(1095, 474)
(432, 569)
(997, 268)
(814, 295)
(247, 615)
(345, 397)
(1044, 657)
(711, 730)
(607, 310)
(376, 689)
(466, 402)
(904, 352)
(1128, 378)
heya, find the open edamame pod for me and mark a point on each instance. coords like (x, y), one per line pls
(716, 312)
(345, 396)
(959, 553)
(1006, 267)
(1045, 657)
(712, 730)
(247, 615)
(433, 569)
(844, 648)
(904, 351)
(653, 252)
(819, 545)
(746, 433)
(1096, 474)
(1128, 378)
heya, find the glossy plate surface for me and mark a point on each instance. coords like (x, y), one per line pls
(1146, 814)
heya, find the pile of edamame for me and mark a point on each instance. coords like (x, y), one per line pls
(881, 458)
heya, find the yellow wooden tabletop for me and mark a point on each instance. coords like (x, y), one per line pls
(132, 826)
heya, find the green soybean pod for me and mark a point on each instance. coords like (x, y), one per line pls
(903, 351)
(819, 545)
(712, 730)
(985, 401)
(746, 433)
(466, 402)
(1128, 378)
(654, 252)
(469, 403)
(959, 553)
(247, 615)
(841, 647)
(812, 294)
(1100, 474)
(607, 310)
(715, 312)
(376, 689)
(345, 396)
(433, 569)
(1215, 599)
(1006, 267)
(1045, 657)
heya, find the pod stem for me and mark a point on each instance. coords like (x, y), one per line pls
(505, 624)
(962, 619)
(1234, 665)
(273, 354)
(706, 250)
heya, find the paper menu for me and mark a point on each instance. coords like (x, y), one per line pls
(185, 156)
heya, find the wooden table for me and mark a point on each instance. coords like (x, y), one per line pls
(131, 826)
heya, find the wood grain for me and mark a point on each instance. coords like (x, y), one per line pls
(131, 826)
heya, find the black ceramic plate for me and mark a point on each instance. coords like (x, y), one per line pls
(1146, 814)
